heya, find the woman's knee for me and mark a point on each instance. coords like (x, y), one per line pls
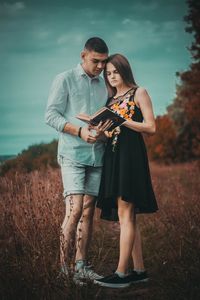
(126, 211)
(126, 218)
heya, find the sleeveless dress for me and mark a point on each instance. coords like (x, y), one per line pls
(125, 168)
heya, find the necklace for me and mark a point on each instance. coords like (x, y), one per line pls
(114, 100)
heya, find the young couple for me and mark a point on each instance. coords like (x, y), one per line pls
(110, 166)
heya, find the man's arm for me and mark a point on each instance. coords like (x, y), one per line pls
(57, 102)
(56, 107)
(83, 133)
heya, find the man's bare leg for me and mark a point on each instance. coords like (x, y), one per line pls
(84, 229)
(74, 205)
(84, 234)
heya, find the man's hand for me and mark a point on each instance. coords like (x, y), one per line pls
(101, 128)
(87, 135)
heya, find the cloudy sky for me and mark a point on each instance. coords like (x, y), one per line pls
(41, 38)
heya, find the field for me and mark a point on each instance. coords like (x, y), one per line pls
(31, 211)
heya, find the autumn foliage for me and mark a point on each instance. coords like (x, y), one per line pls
(178, 132)
(161, 146)
(36, 157)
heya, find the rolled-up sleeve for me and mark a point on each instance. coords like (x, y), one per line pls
(57, 102)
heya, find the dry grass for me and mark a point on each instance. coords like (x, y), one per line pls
(31, 211)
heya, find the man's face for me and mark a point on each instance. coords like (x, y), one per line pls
(93, 62)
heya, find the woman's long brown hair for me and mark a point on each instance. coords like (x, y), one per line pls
(123, 67)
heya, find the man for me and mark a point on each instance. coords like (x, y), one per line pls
(80, 90)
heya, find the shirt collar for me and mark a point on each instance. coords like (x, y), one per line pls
(81, 72)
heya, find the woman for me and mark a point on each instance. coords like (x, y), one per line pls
(126, 187)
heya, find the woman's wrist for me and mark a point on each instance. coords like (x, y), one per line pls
(126, 123)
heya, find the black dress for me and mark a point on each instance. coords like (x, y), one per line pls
(126, 170)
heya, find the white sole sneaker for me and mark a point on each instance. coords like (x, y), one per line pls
(112, 285)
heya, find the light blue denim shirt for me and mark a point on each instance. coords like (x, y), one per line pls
(74, 92)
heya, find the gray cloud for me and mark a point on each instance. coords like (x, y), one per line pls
(11, 9)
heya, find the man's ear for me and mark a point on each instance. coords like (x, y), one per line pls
(83, 53)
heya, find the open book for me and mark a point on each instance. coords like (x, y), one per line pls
(103, 115)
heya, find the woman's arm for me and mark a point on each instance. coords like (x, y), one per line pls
(143, 101)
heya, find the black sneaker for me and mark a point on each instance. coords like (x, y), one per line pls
(136, 277)
(114, 281)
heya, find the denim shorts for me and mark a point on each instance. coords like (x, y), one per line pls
(78, 178)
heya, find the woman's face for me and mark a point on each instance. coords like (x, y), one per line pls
(113, 76)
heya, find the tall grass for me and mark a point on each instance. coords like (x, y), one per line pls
(32, 210)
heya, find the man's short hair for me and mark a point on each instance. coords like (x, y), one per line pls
(96, 44)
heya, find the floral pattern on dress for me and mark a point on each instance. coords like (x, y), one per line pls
(124, 108)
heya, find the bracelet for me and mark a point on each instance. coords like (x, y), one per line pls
(79, 132)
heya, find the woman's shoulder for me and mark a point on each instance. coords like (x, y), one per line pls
(140, 90)
(141, 95)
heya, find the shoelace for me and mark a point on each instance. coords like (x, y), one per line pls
(88, 271)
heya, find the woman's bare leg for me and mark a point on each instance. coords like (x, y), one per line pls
(137, 256)
(127, 233)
